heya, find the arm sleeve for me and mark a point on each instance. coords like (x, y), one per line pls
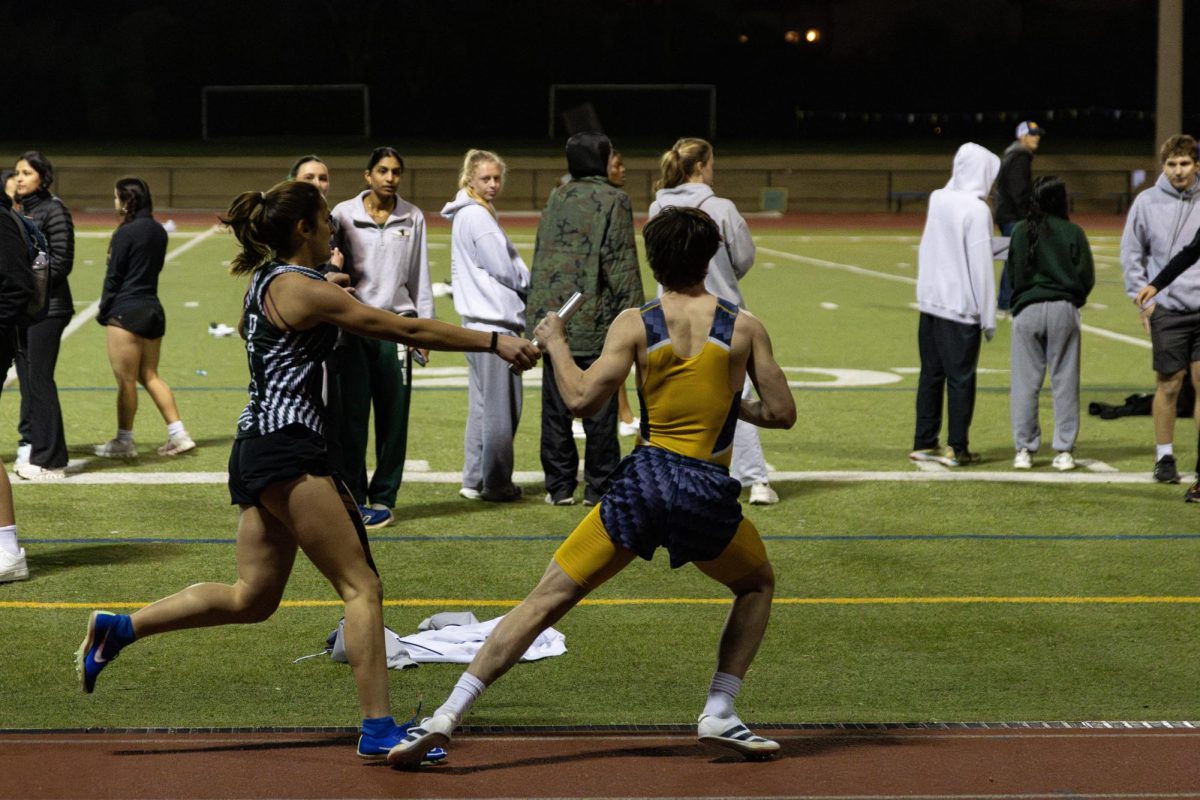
(420, 287)
(1087, 265)
(1020, 183)
(618, 256)
(114, 275)
(16, 278)
(1135, 252)
(1179, 263)
(59, 231)
(981, 275)
(492, 254)
(740, 245)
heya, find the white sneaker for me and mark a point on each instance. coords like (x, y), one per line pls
(628, 428)
(1023, 460)
(761, 494)
(1063, 461)
(13, 568)
(470, 494)
(432, 732)
(220, 330)
(177, 444)
(115, 448)
(577, 429)
(23, 451)
(32, 472)
(730, 732)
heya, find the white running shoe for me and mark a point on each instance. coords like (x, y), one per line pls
(177, 444)
(628, 428)
(115, 448)
(432, 732)
(1063, 461)
(23, 451)
(468, 493)
(730, 732)
(32, 472)
(761, 494)
(13, 568)
(1023, 460)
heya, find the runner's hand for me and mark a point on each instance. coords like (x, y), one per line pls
(517, 351)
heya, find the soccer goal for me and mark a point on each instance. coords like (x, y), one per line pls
(262, 110)
(633, 109)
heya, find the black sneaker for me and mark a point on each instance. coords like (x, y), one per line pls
(1193, 493)
(1165, 470)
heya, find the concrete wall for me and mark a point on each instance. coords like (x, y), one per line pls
(813, 183)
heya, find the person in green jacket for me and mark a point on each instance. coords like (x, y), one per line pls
(1052, 273)
(584, 244)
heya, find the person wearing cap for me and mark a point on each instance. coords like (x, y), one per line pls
(584, 244)
(1014, 185)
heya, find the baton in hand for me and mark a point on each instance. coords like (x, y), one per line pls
(565, 313)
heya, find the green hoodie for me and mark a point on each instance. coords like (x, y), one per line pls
(1061, 270)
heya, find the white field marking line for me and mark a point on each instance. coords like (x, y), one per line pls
(1107, 334)
(85, 316)
(968, 474)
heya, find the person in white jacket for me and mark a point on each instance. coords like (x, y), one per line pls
(956, 295)
(687, 176)
(490, 282)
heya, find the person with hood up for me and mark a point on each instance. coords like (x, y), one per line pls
(957, 298)
(1161, 221)
(584, 244)
(490, 282)
(687, 176)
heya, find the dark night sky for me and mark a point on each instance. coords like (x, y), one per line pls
(458, 68)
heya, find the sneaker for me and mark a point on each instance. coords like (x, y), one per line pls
(23, 451)
(761, 494)
(433, 732)
(1023, 460)
(115, 448)
(32, 472)
(13, 568)
(1164, 470)
(925, 454)
(1063, 461)
(375, 516)
(513, 492)
(176, 445)
(628, 428)
(467, 493)
(99, 647)
(376, 748)
(1191, 496)
(561, 500)
(949, 457)
(730, 732)
(220, 330)
(577, 429)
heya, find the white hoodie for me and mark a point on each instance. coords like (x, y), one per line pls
(955, 276)
(735, 256)
(489, 278)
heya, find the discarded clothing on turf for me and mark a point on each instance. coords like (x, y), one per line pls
(458, 644)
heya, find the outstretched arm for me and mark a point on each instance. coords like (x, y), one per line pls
(584, 392)
(775, 408)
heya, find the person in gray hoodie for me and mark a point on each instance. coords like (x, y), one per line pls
(1161, 221)
(957, 297)
(687, 176)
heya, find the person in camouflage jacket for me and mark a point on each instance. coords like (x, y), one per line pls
(584, 243)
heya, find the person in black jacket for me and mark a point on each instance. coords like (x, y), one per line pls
(135, 322)
(42, 453)
(1014, 185)
(16, 287)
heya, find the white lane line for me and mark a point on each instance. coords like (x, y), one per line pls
(89, 313)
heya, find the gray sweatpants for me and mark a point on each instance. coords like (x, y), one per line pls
(1045, 336)
(493, 411)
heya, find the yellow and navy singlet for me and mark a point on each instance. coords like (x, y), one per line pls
(688, 406)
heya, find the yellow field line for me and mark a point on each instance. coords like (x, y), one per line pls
(690, 601)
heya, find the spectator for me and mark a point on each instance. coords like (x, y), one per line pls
(42, 452)
(1051, 266)
(1013, 187)
(687, 176)
(135, 322)
(1161, 221)
(382, 238)
(956, 296)
(626, 425)
(584, 244)
(490, 284)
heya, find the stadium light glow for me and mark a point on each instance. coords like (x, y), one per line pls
(812, 35)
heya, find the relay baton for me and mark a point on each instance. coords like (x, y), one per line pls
(565, 313)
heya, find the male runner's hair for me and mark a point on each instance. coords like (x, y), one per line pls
(1178, 145)
(680, 242)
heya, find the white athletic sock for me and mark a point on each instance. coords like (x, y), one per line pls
(176, 428)
(1161, 450)
(465, 693)
(8, 540)
(124, 436)
(721, 694)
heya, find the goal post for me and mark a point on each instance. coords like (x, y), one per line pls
(636, 109)
(271, 110)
